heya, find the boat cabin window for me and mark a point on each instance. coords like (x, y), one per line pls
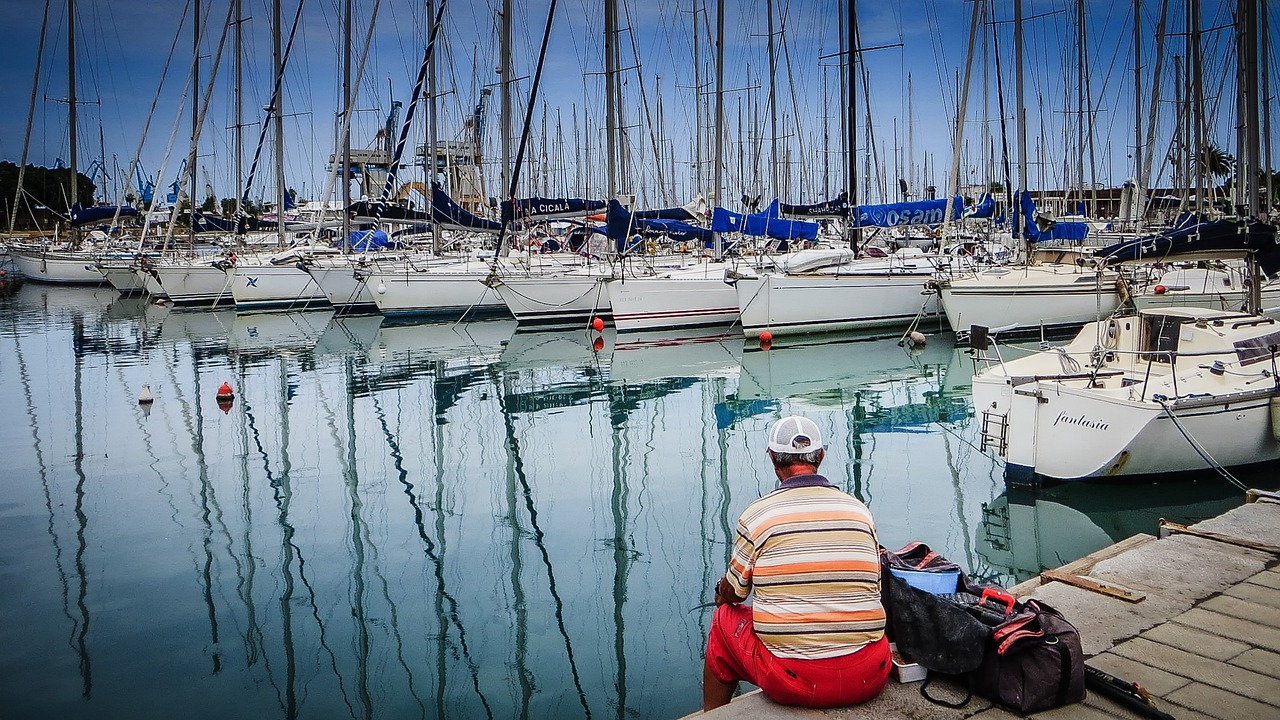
(1162, 333)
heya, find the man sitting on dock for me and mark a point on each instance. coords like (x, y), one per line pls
(814, 635)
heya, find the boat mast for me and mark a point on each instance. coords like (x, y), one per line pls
(239, 126)
(1021, 113)
(277, 56)
(508, 76)
(699, 121)
(1197, 101)
(1139, 182)
(718, 183)
(193, 154)
(851, 121)
(71, 110)
(774, 184)
(31, 114)
(1264, 51)
(432, 164)
(346, 125)
(610, 93)
(1247, 116)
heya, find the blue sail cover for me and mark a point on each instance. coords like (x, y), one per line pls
(837, 207)
(513, 210)
(1205, 237)
(620, 225)
(919, 212)
(369, 240)
(1031, 230)
(985, 208)
(767, 223)
(85, 215)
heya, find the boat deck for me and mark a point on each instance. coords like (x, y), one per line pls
(1193, 617)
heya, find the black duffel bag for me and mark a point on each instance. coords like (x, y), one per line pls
(1022, 655)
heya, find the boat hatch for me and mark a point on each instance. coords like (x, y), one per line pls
(1257, 349)
(1087, 278)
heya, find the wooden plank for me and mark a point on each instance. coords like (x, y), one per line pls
(1094, 585)
(1083, 565)
(1170, 527)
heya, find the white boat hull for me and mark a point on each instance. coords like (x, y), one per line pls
(1012, 300)
(434, 292)
(792, 304)
(193, 282)
(264, 286)
(559, 301)
(71, 268)
(345, 290)
(665, 303)
(1140, 410)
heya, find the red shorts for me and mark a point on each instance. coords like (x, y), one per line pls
(734, 653)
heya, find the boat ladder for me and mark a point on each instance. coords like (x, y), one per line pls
(995, 432)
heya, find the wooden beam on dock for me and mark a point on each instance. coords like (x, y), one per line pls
(1094, 585)
(1168, 527)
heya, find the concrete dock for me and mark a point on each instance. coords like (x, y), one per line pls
(1193, 617)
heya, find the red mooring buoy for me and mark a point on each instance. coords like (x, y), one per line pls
(225, 391)
(597, 324)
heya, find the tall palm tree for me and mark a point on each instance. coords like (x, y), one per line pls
(1215, 162)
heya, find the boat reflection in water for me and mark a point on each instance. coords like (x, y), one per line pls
(429, 520)
(1030, 529)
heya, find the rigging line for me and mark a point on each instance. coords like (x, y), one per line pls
(274, 107)
(344, 133)
(539, 540)
(429, 549)
(1204, 454)
(31, 111)
(528, 119)
(415, 99)
(644, 101)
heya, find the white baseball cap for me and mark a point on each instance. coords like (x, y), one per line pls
(795, 435)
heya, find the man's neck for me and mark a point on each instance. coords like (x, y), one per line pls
(786, 473)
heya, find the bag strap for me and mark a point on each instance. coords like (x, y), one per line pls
(928, 678)
(1064, 679)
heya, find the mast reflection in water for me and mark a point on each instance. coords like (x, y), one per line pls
(433, 520)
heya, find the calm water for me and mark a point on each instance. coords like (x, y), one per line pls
(444, 520)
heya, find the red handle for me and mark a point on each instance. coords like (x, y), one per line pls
(999, 595)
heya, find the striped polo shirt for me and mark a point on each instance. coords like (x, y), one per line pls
(809, 551)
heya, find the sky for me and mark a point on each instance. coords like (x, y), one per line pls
(133, 56)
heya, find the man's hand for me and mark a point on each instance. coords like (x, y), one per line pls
(725, 593)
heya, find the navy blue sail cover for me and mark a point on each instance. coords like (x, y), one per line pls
(620, 225)
(836, 207)
(540, 207)
(1053, 230)
(86, 215)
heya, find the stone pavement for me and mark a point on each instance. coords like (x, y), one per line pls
(1204, 639)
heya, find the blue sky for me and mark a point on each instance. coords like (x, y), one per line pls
(124, 46)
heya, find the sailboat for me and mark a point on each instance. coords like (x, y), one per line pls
(1169, 389)
(70, 260)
